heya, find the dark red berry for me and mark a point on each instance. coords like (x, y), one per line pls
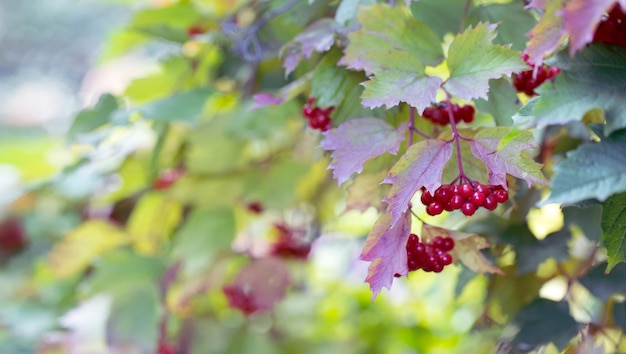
(434, 208)
(446, 259)
(466, 191)
(468, 209)
(500, 195)
(478, 198)
(437, 267)
(443, 194)
(255, 207)
(426, 197)
(437, 242)
(448, 244)
(456, 202)
(482, 189)
(490, 203)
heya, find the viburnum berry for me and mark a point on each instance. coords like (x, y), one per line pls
(528, 80)
(167, 178)
(431, 256)
(288, 245)
(465, 197)
(612, 28)
(319, 118)
(439, 113)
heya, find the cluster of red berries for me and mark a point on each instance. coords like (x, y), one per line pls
(612, 29)
(466, 197)
(318, 118)
(430, 256)
(289, 245)
(439, 113)
(527, 81)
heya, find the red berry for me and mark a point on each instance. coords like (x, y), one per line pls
(468, 209)
(446, 259)
(437, 267)
(456, 202)
(467, 113)
(478, 198)
(448, 244)
(255, 207)
(466, 191)
(12, 235)
(490, 203)
(500, 195)
(483, 189)
(426, 197)
(167, 178)
(443, 194)
(437, 242)
(195, 30)
(434, 208)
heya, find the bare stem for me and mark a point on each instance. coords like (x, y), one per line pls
(413, 129)
(465, 10)
(455, 135)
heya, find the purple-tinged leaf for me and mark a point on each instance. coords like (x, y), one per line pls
(385, 248)
(502, 152)
(421, 166)
(358, 140)
(473, 60)
(318, 37)
(266, 99)
(548, 34)
(581, 19)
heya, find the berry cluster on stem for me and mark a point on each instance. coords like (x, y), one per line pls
(467, 197)
(527, 81)
(438, 113)
(429, 256)
(319, 118)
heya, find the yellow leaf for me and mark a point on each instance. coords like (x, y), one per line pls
(152, 222)
(81, 246)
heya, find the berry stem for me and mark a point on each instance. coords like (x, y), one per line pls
(465, 11)
(455, 135)
(413, 128)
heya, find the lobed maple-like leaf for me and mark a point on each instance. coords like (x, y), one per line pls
(466, 248)
(358, 140)
(318, 37)
(548, 34)
(473, 60)
(594, 78)
(581, 19)
(595, 170)
(393, 46)
(502, 152)
(613, 225)
(385, 248)
(421, 166)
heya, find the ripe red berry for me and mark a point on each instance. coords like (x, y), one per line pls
(434, 208)
(443, 194)
(195, 30)
(167, 178)
(255, 207)
(448, 244)
(490, 203)
(468, 209)
(478, 198)
(426, 197)
(467, 190)
(500, 195)
(446, 259)
(612, 28)
(456, 202)
(437, 242)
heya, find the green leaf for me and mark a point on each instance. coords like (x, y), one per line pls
(594, 78)
(275, 186)
(524, 118)
(187, 106)
(204, 143)
(596, 170)
(394, 47)
(603, 285)
(501, 103)
(544, 321)
(266, 122)
(513, 22)
(502, 151)
(587, 218)
(613, 225)
(473, 60)
(442, 16)
(160, 84)
(90, 119)
(204, 234)
(133, 321)
(531, 252)
(180, 15)
(347, 10)
(546, 36)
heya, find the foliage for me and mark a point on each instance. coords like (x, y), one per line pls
(235, 227)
